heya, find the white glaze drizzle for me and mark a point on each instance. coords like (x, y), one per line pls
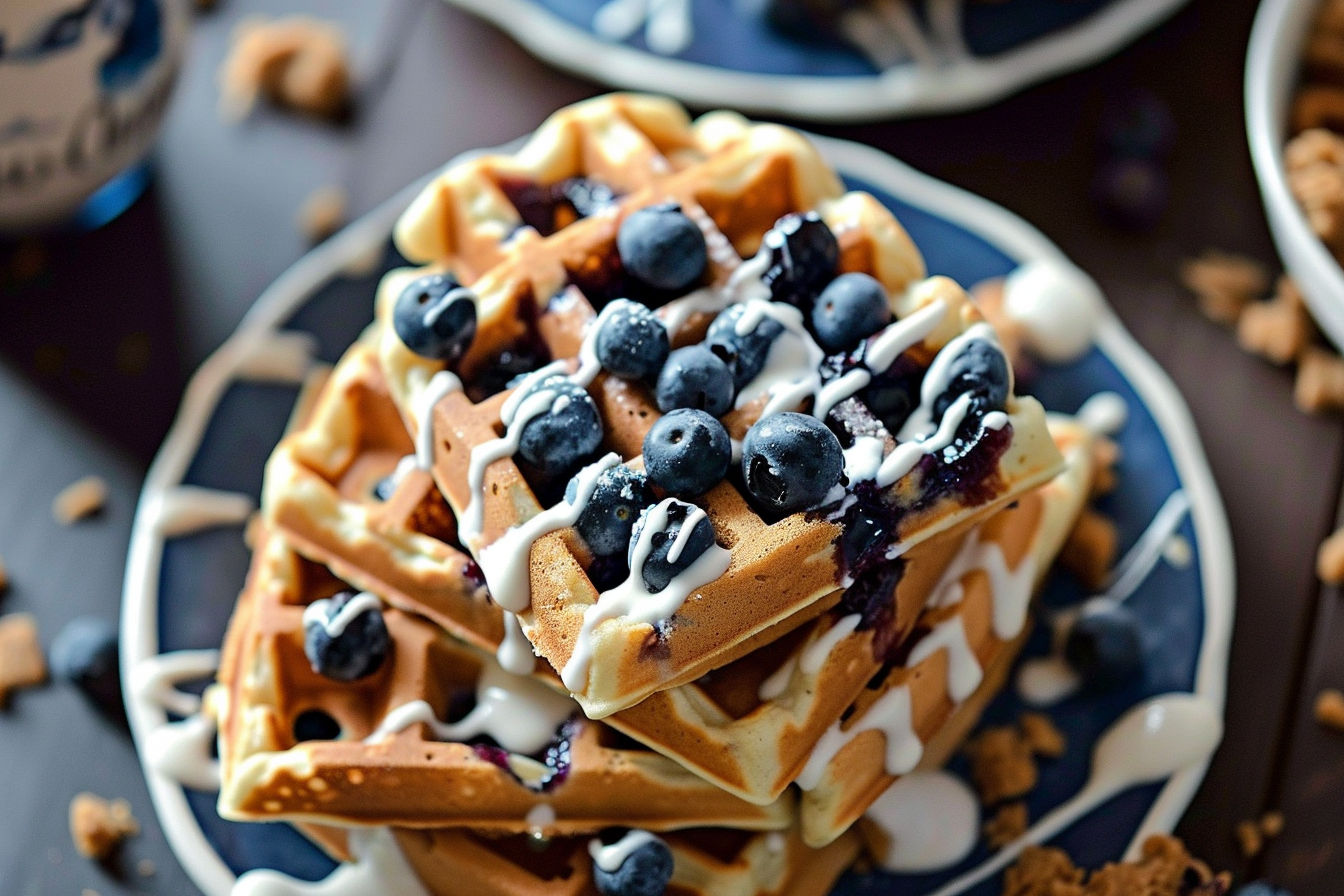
(1140, 560)
(633, 600)
(891, 715)
(379, 868)
(486, 453)
(931, 820)
(1105, 413)
(610, 858)
(504, 562)
(815, 655)
(1153, 740)
(515, 653)
(521, 714)
(335, 626)
(439, 387)
(279, 356)
(1058, 307)
(152, 678)
(180, 751)
(1045, 680)
(187, 509)
(1011, 588)
(540, 818)
(902, 335)
(937, 379)
(964, 673)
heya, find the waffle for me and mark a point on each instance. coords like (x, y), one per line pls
(546, 297)
(706, 861)
(920, 712)
(362, 767)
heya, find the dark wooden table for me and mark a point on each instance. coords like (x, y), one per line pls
(101, 330)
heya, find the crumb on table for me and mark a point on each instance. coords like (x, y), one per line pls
(1249, 838)
(1002, 765)
(1320, 381)
(97, 826)
(323, 213)
(4, 577)
(298, 63)
(1280, 329)
(1041, 735)
(1330, 709)
(21, 661)
(1224, 283)
(79, 499)
(1330, 559)
(1271, 824)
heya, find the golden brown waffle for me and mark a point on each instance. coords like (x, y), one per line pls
(706, 861)
(919, 713)
(627, 661)
(408, 778)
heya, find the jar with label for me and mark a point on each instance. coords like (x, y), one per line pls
(83, 88)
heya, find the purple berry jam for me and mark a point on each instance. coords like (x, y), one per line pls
(556, 756)
(549, 207)
(967, 469)
(872, 596)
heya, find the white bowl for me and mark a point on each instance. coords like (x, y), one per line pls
(1272, 65)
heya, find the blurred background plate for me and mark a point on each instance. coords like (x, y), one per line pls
(732, 57)
(180, 591)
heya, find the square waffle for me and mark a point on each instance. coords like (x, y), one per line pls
(298, 745)
(548, 297)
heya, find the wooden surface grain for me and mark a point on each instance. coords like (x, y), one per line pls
(101, 330)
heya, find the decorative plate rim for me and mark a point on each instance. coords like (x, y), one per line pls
(905, 90)
(1006, 231)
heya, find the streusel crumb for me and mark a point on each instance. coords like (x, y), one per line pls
(79, 499)
(1041, 735)
(97, 826)
(21, 661)
(1330, 559)
(1089, 552)
(1006, 825)
(1163, 869)
(1002, 765)
(298, 63)
(1224, 283)
(1330, 709)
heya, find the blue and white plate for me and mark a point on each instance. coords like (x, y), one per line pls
(184, 572)
(723, 53)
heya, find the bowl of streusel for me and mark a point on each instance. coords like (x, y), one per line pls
(1295, 123)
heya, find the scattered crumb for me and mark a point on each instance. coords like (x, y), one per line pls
(1314, 160)
(298, 63)
(1008, 823)
(1089, 552)
(1271, 824)
(87, 892)
(146, 868)
(22, 664)
(1041, 735)
(1320, 382)
(1329, 559)
(1249, 839)
(97, 826)
(1002, 765)
(4, 578)
(1330, 709)
(1278, 330)
(1163, 869)
(323, 213)
(1224, 283)
(80, 499)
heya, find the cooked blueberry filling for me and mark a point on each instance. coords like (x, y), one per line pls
(549, 207)
(556, 756)
(969, 467)
(872, 596)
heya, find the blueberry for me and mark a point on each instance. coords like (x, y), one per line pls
(746, 352)
(435, 316)
(661, 247)
(1103, 644)
(1131, 193)
(658, 570)
(345, 645)
(85, 653)
(645, 871)
(981, 369)
(687, 453)
(790, 461)
(803, 257)
(852, 307)
(695, 377)
(566, 432)
(632, 343)
(609, 516)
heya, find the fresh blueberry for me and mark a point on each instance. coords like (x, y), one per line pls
(646, 871)
(803, 257)
(344, 645)
(661, 247)
(84, 653)
(658, 569)
(1131, 193)
(568, 430)
(790, 461)
(1103, 643)
(435, 316)
(687, 453)
(981, 369)
(851, 307)
(695, 377)
(746, 352)
(609, 516)
(632, 342)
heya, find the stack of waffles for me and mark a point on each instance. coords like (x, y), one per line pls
(532, 713)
